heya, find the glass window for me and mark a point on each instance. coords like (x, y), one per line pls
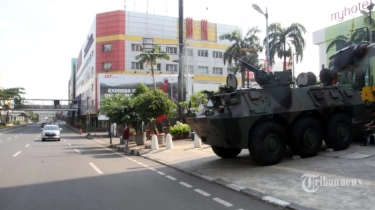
(107, 65)
(191, 69)
(171, 67)
(158, 66)
(189, 52)
(203, 53)
(217, 70)
(172, 50)
(136, 65)
(202, 69)
(217, 54)
(106, 48)
(136, 47)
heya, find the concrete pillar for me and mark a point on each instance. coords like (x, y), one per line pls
(197, 141)
(168, 141)
(154, 142)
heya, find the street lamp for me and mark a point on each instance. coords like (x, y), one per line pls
(368, 14)
(257, 8)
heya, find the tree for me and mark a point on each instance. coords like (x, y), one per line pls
(245, 48)
(152, 104)
(196, 99)
(113, 107)
(342, 41)
(33, 117)
(280, 37)
(150, 58)
(9, 95)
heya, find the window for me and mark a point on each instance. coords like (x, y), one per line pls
(189, 52)
(136, 65)
(107, 65)
(171, 67)
(107, 47)
(203, 53)
(136, 47)
(92, 87)
(172, 50)
(217, 54)
(202, 70)
(217, 70)
(191, 69)
(158, 67)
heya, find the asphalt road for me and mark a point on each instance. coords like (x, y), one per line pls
(76, 173)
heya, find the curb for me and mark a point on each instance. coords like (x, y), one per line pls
(5, 129)
(241, 189)
(244, 190)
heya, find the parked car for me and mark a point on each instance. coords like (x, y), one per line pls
(51, 132)
(43, 124)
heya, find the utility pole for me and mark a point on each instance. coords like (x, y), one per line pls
(181, 50)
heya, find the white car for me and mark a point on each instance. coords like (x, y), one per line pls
(51, 132)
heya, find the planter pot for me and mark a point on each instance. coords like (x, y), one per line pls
(139, 138)
(132, 138)
(166, 130)
(161, 138)
(180, 136)
(149, 133)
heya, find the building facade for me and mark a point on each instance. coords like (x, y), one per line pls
(106, 62)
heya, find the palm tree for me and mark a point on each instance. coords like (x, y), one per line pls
(280, 37)
(245, 48)
(342, 41)
(150, 58)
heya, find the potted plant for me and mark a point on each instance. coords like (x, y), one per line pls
(180, 131)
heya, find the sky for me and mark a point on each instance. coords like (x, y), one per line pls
(39, 38)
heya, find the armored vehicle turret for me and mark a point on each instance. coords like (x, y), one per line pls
(266, 120)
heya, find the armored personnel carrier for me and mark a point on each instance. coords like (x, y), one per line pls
(280, 113)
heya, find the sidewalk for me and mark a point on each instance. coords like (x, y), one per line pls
(284, 184)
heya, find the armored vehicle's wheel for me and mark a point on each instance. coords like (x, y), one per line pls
(226, 152)
(307, 137)
(267, 143)
(338, 132)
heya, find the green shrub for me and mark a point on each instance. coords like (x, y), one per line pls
(179, 128)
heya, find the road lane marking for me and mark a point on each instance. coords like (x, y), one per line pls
(69, 144)
(185, 184)
(161, 173)
(152, 169)
(202, 192)
(9, 138)
(15, 155)
(77, 151)
(27, 145)
(171, 178)
(96, 168)
(223, 202)
(15, 136)
(64, 140)
(1, 141)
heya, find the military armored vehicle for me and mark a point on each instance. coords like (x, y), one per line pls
(278, 114)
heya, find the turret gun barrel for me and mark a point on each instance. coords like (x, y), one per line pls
(265, 79)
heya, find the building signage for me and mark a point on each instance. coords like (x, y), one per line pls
(347, 11)
(90, 40)
(110, 84)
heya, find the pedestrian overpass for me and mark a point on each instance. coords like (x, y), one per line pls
(45, 105)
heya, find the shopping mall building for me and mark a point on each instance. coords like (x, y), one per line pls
(106, 62)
